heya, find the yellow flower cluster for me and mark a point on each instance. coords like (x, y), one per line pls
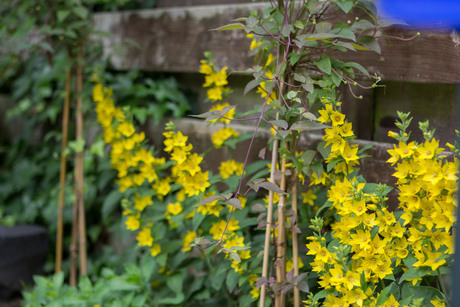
(186, 170)
(427, 185)
(215, 81)
(230, 167)
(338, 137)
(135, 165)
(371, 243)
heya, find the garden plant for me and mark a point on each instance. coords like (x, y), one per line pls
(302, 227)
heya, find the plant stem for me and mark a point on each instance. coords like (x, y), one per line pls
(274, 161)
(79, 171)
(62, 173)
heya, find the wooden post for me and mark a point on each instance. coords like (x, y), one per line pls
(62, 173)
(274, 161)
(79, 172)
(280, 262)
(295, 243)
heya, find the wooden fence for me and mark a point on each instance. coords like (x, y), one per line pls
(420, 74)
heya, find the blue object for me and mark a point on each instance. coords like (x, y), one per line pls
(423, 13)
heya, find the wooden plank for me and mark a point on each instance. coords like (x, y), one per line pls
(179, 3)
(174, 39)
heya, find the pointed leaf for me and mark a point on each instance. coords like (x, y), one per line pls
(251, 85)
(234, 202)
(271, 187)
(231, 26)
(307, 125)
(209, 199)
(279, 123)
(324, 64)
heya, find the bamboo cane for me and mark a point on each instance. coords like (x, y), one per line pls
(295, 243)
(73, 246)
(62, 173)
(281, 239)
(274, 161)
(79, 172)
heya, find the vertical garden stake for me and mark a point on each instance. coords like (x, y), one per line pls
(79, 178)
(280, 262)
(62, 172)
(295, 243)
(274, 161)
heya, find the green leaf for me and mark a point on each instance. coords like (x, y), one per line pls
(392, 289)
(77, 145)
(210, 199)
(62, 14)
(294, 57)
(370, 42)
(211, 115)
(120, 284)
(319, 36)
(280, 123)
(326, 205)
(324, 64)
(308, 156)
(307, 125)
(81, 12)
(232, 280)
(251, 85)
(271, 187)
(235, 257)
(427, 293)
(359, 47)
(322, 294)
(358, 67)
(231, 26)
(345, 5)
(234, 202)
(111, 202)
(299, 24)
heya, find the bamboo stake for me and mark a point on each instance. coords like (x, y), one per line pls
(62, 173)
(73, 246)
(295, 243)
(274, 161)
(281, 240)
(79, 172)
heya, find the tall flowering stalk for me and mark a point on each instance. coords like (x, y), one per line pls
(376, 257)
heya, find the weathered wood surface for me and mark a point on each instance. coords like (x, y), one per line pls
(173, 39)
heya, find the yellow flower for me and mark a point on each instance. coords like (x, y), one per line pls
(162, 187)
(155, 249)
(144, 237)
(126, 129)
(230, 167)
(174, 139)
(290, 264)
(132, 222)
(390, 302)
(219, 137)
(215, 93)
(141, 202)
(205, 67)
(337, 118)
(174, 208)
(220, 77)
(188, 239)
(217, 229)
